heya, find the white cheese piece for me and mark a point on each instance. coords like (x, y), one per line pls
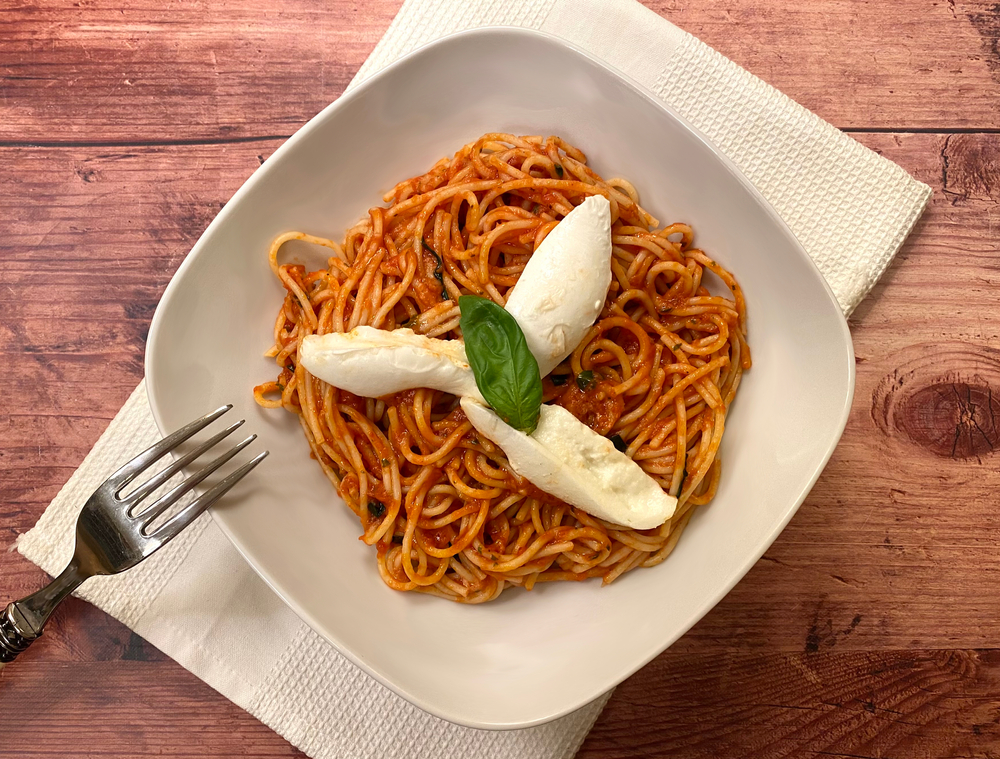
(374, 362)
(562, 289)
(567, 459)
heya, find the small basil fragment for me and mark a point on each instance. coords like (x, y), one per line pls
(558, 379)
(438, 273)
(438, 264)
(585, 380)
(505, 371)
(559, 170)
(620, 444)
(376, 508)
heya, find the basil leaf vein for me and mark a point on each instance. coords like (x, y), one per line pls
(505, 371)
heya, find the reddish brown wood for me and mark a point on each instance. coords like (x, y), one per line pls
(142, 71)
(899, 65)
(867, 705)
(133, 707)
(893, 531)
(869, 628)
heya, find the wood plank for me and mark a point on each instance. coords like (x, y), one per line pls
(142, 71)
(933, 585)
(877, 705)
(831, 564)
(91, 239)
(896, 535)
(125, 708)
(152, 71)
(825, 649)
(902, 65)
(755, 705)
(132, 220)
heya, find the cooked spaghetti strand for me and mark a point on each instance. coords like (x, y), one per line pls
(658, 370)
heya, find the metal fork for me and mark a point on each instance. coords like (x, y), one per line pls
(113, 534)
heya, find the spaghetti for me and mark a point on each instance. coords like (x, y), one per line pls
(656, 373)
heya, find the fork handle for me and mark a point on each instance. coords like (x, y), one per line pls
(15, 636)
(21, 623)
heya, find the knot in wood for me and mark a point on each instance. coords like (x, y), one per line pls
(950, 413)
(970, 168)
(953, 419)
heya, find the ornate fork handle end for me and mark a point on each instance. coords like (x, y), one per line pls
(22, 621)
(15, 634)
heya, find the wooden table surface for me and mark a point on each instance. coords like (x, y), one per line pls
(869, 629)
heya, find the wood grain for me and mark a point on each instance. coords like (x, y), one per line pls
(893, 531)
(862, 705)
(93, 710)
(142, 72)
(867, 630)
(902, 65)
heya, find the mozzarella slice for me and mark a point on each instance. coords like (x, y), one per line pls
(562, 289)
(374, 362)
(567, 459)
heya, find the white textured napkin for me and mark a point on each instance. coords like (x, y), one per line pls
(201, 604)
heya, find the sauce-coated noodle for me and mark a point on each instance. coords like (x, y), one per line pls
(657, 372)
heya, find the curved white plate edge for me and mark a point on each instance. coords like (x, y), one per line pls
(151, 393)
(761, 201)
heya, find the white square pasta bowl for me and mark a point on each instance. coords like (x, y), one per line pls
(528, 657)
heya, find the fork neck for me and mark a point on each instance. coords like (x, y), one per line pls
(38, 607)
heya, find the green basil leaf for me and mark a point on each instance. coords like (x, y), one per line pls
(376, 508)
(585, 379)
(619, 444)
(506, 372)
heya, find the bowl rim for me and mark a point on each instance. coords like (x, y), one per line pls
(710, 601)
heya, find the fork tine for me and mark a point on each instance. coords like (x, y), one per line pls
(136, 496)
(128, 471)
(168, 499)
(189, 513)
